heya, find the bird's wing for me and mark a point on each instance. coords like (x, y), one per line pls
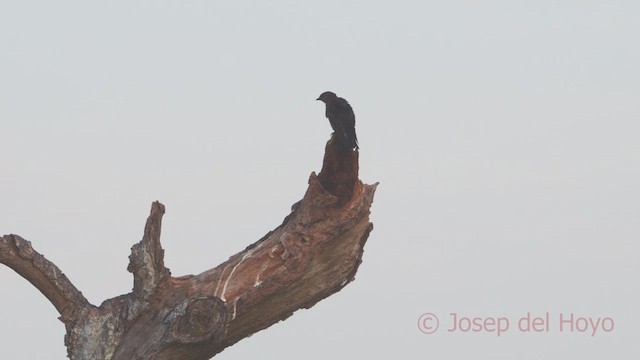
(345, 113)
(349, 121)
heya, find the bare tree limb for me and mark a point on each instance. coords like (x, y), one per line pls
(147, 257)
(314, 253)
(17, 253)
(146, 262)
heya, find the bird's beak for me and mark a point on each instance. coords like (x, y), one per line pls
(317, 99)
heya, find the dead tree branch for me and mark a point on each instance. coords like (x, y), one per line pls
(314, 253)
(17, 253)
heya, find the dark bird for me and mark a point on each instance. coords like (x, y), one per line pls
(342, 119)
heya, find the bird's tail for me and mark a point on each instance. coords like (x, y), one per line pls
(349, 142)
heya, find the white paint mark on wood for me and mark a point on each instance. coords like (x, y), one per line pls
(262, 269)
(245, 257)
(220, 279)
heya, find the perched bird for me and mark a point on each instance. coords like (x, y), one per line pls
(342, 119)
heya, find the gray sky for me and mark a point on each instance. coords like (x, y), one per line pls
(504, 135)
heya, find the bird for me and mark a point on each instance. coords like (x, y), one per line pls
(341, 118)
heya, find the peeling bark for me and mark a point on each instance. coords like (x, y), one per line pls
(314, 253)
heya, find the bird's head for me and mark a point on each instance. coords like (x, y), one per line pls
(326, 96)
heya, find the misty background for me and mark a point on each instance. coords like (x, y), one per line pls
(504, 135)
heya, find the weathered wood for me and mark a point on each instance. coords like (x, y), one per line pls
(18, 254)
(314, 253)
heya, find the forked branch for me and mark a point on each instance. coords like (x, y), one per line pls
(314, 253)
